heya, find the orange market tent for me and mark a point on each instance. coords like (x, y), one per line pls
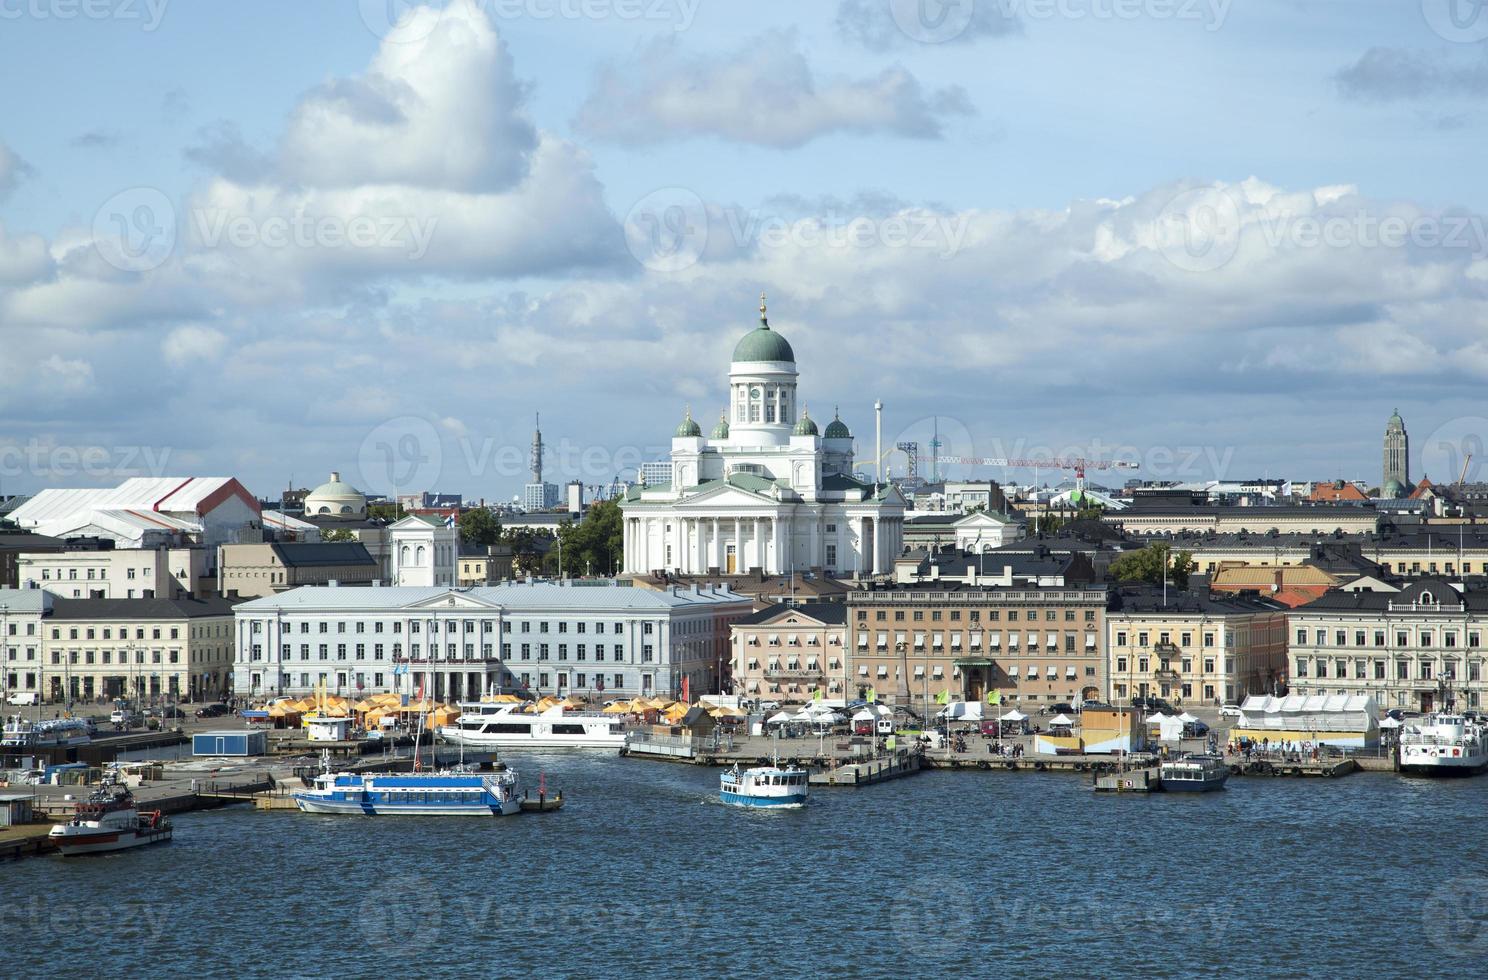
(618, 708)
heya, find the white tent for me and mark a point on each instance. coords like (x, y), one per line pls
(1061, 719)
(1015, 715)
(1156, 718)
(781, 718)
(1333, 719)
(1187, 718)
(961, 711)
(827, 717)
(1389, 723)
(1170, 730)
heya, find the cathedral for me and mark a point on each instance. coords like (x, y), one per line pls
(766, 490)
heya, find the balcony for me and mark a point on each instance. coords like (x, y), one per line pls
(1166, 674)
(796, 676)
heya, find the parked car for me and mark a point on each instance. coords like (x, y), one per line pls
(1153, 704)
(1395, 713)
(1093, 703)
(1229, 711)
(172, 711)
(769, 706)
(21, 698)
(1062, 708)
(212, 711)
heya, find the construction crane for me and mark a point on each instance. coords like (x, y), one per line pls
(1077, 463)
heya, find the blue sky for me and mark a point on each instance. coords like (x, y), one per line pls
(1148, 228)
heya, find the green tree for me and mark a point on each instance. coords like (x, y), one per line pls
(1056, 521)
(479, 526)
(1147, 565)
(383, 512)
(593, 546)
(527, 553)
(333, 534)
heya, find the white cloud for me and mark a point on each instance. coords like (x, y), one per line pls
(765, 93)
(193, 345)
(443, 112)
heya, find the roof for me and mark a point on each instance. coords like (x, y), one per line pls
(23, 601)
(22, 541)
(305, 555)
(828, 613)
(196, 495)
(519, 595)
(1141, 600)
(131, 609)
(1408, 599)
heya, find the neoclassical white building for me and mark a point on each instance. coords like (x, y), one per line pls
(766, 490)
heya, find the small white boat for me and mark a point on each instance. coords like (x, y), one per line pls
(483, 725)
(109, 821)
(765, 786)
(1443, 744)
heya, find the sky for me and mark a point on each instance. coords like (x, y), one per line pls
(1207, 238)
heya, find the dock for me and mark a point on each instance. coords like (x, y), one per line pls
(1145, 780)
(25, 840)
(869, 773)
(1324, 768)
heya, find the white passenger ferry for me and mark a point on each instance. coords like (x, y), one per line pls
(445, 793)
(1443, 744)
(65, 732)
(483, 725)
(766, 786)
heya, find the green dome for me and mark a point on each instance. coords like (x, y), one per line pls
(721, 430)
(762, 343)
(1394, 490)
(837, 429)
(689, 429)
(805, 427)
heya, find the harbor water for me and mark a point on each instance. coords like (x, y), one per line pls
(644, 871)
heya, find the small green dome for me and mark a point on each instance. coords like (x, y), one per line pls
(805, 427)
(762, 343)
(721, 430)
(837, 429)
(1394, 490)
(689, 429)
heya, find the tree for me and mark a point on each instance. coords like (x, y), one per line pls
(383, 512)
(334, 534)
(527, 550)
(1147, 565)
(1056, 521)
(479, 526)
(594, 545)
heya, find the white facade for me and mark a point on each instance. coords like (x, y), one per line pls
(546, 638)
(766, 490)
(122, 573)
(421, 553)
(21, 639)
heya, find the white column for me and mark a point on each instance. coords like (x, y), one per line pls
(738, 546)
(717, 544)
(759, 556)
(877, 544)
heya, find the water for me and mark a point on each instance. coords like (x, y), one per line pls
(644, 871)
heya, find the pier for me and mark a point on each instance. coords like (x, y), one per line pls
(855, 774)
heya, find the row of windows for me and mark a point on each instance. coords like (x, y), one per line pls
(218, 629)
(1378, 670)
(468, 626)
(1425, 638)
(976, 615)
(1185, 639)
(101, 573)
(1185, 665)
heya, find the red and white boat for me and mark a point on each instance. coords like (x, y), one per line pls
(109, 821)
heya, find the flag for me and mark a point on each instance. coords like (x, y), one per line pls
(891, 742)
(816, 694)
(686, 690)
(944, 697)
(871, 696)
(450, 521)
(994, 697)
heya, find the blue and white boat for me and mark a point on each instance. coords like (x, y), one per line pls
(445, 793)
(766, 786)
